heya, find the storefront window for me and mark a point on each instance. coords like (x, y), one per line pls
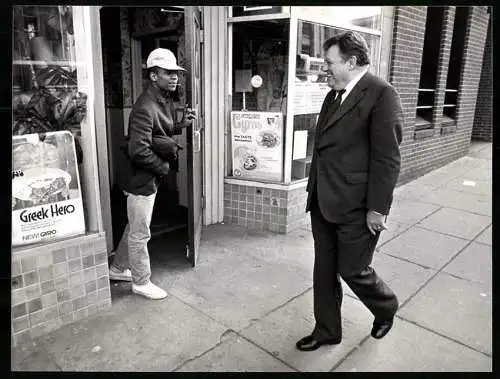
(50, 96)
(311, 88)
(259, 77)
(365, 17)
(260, 86)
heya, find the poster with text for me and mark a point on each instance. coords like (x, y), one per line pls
(46, 194)
(309, 97)
(257, 145)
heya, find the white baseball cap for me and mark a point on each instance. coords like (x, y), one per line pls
(163, 58)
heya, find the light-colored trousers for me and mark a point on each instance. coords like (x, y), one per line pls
(132, 251)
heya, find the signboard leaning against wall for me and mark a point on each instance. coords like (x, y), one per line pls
(46, 196)
(257, 145)
(48, 107)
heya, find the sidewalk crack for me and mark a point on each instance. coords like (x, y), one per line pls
(275, 355)
(444, 336)
(197, 356)
(438, 271)
(343, 359)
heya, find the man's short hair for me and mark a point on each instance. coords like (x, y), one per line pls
(154, 69)
(350, 44)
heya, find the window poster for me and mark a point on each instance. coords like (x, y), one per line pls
(46, 194)
(257, 145)
(309, 97)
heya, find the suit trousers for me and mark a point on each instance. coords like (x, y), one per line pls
(327, 288)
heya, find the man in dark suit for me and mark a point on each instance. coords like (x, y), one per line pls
(152, 122)
(354, 170)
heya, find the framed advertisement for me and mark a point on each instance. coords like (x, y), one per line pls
(257, 145)
(46, 194)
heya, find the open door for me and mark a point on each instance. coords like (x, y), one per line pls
(192, 22)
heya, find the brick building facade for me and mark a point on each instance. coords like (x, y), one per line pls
(483, 120)
(443, 139)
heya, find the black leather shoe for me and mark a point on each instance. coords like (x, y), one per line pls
(381, 328)
(308, 343)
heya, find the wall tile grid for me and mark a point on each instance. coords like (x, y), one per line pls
(260, 208)
(54, 288)
(422, 154)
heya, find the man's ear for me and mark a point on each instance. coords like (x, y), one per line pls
(352, 61)
(153, 76)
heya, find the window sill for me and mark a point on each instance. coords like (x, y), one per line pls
(38, 248)
(448, 128)
(278, 186)
(423, 133)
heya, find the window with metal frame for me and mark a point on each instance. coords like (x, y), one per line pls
(429, 68)
(455, 64)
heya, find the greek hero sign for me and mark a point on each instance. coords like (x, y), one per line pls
(46, 194)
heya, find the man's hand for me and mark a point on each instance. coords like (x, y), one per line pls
(188, 118)
(190, 114)
(375, 222)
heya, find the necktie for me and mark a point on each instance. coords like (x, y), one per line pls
(335, 105)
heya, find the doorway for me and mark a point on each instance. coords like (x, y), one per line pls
(128, 36)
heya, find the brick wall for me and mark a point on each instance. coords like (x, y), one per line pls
(52, 288)
(423, 152)
(443, 62)
(483, 123)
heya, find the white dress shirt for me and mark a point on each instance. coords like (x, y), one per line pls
(348, 88)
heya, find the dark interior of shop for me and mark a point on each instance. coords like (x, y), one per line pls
(166, 30)
(262, 47)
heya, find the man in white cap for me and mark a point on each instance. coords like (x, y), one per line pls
(153, 115)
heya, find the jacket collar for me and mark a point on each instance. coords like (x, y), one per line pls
(354, 97)
(158, 95)
(349, 87)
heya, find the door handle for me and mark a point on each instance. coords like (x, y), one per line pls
(196, 136)
(196, 141)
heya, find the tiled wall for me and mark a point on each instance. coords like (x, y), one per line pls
(52, 288)
(254, 207)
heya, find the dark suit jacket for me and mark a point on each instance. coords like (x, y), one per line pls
(153, 115)
(356, 159)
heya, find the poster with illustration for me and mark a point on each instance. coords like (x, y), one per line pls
(46, 194)
(257, 145)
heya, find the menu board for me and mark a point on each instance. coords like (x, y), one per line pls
(257, 145)
(46, 194)
(309, 97)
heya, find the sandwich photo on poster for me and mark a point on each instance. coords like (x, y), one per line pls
(46, 194)
(257, 145)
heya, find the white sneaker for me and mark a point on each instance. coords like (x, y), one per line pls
(149, 290)
(115, 274)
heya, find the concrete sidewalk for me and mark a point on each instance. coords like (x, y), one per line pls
(249, 299)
